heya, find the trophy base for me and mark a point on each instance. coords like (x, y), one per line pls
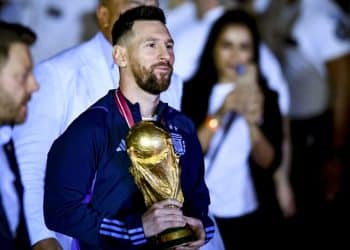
(174, 237)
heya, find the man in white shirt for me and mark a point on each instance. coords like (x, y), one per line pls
(52, 17)
(315, 59)
(17, 83)
(69, 83)
(320, 148)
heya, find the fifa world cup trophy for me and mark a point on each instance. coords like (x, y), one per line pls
(156, 171)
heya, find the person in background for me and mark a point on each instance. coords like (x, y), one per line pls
(53, 17)
(191, 21)
(189, 24)
(115, 215)
(17, 84)
(240, 130)
(69, 83)
(272, 70)
(319, 121)
(197, 19)
(318, 78)
(341, 203)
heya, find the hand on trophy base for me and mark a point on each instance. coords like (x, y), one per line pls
(156, 171)
(174, 237)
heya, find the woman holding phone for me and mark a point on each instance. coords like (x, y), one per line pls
(240, 130)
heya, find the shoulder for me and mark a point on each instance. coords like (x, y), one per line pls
(89, 132)
(67, 67)
(319, 22)
(95, 118)
(71, 59)
(179, 120)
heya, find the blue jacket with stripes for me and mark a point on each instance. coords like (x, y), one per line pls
(89, 191)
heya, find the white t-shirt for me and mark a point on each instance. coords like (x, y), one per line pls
(190, 40)
(271, 69)
(180, 17)
(315, 33)
(228, 176)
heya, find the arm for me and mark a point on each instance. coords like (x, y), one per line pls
(63, 192)
(83, 147)
(207, 130)
(284, 192)
(272, 71)
(269, 135)
(336, 55)
(262, 152)
(32, 141)
(339, 79)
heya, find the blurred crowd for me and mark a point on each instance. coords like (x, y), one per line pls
(267, 84)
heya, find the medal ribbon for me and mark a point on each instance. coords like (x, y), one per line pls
(123, 108)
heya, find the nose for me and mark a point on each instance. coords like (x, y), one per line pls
(32, 84)
(234, 53)
(166, 54)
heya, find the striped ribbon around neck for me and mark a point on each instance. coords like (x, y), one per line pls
(123, 108)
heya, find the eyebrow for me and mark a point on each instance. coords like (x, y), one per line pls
(171, 41)
(157, 39)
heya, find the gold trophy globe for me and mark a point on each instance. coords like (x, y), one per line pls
(156, 171)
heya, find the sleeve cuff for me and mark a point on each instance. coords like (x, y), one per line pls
(209, 233)
(119, 230)
(40, 235)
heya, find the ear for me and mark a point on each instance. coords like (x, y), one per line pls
(102, 15)
(120, 56)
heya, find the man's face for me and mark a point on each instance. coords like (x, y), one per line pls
(116, 7)
(151, 56)
(17, 83)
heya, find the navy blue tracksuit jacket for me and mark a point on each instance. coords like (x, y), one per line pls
(90, 158)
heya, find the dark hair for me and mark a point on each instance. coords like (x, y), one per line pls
(126, 20)
(11, 33)
(206, 75)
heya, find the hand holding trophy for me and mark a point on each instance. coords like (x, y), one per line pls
(156, 171)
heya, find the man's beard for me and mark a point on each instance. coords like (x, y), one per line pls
(148, 81)
(10, 110)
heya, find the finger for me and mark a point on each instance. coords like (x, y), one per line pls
(166, 218)
(165, 211)
(157, 226)
(197, 243)
(191, 246)
(197, 227)
(170, 224)
(167, 203)
(164, 214)
(154, 224)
